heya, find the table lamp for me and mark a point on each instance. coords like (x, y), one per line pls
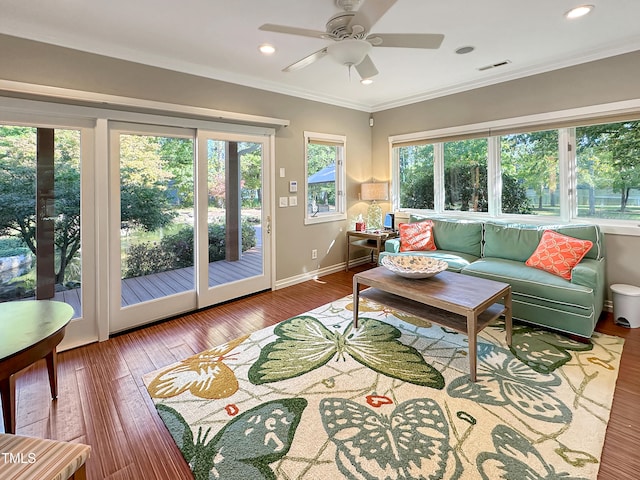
(372, 192)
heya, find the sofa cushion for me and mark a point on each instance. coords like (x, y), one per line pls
(458, 236)
(416, 236)
(512, 242)
(558, 254)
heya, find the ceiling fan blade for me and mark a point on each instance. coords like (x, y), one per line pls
(306, 61)
(370, 12)
(269, 27)
(366, 68)
(406, 40)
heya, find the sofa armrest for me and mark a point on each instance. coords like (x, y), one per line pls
(392, 245)
(591, 273)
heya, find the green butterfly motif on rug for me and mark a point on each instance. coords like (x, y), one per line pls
(244, 447)
(542, 350)
(305, 344)
(515, 457)
(504, 380)
(413, 442)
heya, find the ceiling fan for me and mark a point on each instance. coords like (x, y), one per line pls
(352, 40)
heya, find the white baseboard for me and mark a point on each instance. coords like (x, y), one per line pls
(287, 282)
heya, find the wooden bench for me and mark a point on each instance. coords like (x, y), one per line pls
(28, 458)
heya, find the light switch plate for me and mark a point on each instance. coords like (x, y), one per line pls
(293, 201)
(284, 202)
(281, 172)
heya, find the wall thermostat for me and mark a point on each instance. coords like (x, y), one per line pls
(293, 186)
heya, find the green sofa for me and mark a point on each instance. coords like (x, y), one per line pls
(498, 251)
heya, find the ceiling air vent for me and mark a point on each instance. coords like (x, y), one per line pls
(494, 65)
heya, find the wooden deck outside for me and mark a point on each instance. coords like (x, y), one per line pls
(158, 285)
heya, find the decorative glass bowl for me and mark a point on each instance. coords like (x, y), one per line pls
(414, 266)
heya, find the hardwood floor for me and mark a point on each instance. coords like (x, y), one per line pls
(103, 402)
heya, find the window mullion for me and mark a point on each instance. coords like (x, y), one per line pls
(438, 177)
(494, 177)
(566, 160)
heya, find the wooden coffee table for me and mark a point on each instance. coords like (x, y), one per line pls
(31, 330)
(459, 302)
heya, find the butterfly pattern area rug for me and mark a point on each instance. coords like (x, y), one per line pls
(313, 398)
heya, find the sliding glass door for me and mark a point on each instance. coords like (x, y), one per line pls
(234, 241)
(152, 224)
(177, 243)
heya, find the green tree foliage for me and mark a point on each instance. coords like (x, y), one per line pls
(145, 201)
(609, 155)
(532, 158)
(465, 175)
(416, 177)
(177, 156)
(144, 183)
(465, 179)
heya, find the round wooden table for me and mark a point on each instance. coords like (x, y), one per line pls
(29, 331)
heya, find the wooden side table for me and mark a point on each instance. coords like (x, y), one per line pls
(31, 330)
(370, 240)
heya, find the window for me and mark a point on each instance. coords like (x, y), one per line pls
(416, 186)
(608, 171)
(530, 173)
(40, 235)
(584, 170)
(465, 175)
(325, 177)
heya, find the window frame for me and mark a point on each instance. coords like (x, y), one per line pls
(565, 121)
(340, 177)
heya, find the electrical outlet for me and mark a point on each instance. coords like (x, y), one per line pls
(314, 254)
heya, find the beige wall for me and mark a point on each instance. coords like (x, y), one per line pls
(609, 80)
(34, 62)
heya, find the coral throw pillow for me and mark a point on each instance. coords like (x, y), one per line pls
(416, 236)
(558, 254)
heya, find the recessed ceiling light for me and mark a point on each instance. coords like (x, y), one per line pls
(578, 12)
(267, 49)
(366, 81)
(463, 50)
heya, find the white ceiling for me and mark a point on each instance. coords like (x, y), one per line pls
(219, 39)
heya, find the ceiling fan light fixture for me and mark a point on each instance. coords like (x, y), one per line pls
(267, 49)
(349, 52)
(579, 11)
(366, 81)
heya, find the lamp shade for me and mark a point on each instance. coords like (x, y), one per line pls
(374, 191)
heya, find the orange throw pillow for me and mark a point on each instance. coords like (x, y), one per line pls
(416, 236)
(558, 254)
